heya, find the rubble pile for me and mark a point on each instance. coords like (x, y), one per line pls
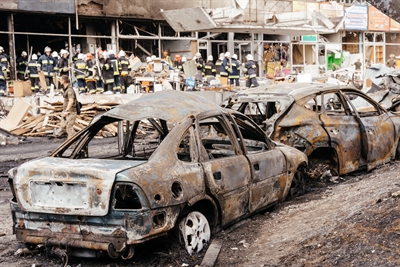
(47, 124)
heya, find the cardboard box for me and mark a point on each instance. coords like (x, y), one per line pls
(22, 88)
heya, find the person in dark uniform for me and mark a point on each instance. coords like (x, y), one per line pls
(22, 63)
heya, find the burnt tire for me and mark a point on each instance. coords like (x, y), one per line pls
(194, 232)
(298, 185)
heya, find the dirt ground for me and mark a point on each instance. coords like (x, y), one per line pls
(353, 223)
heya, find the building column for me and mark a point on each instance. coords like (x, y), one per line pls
(260, 54)
(231, 44)
(11, 44)
(113, 37)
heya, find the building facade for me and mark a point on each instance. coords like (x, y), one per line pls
(311, 32)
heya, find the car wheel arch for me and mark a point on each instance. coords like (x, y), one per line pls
(204, 204)
(327, 154)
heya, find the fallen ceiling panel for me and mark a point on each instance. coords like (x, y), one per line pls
(188, 19)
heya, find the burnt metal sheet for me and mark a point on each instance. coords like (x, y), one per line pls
(58, 6)
(172, 106)
(188, 19)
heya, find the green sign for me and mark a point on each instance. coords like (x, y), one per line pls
(309, 38)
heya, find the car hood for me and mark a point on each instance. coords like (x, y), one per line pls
(68, 186)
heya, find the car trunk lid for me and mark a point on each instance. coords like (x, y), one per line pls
(68, 186)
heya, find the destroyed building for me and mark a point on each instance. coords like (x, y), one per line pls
(315, 34)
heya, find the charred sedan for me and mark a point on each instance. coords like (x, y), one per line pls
(339, 128)
(179, 163)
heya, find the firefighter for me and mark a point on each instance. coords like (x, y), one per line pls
(209, 68)
(178, 64)
(250, 70)
(47, 64)
(63, 65)
(199, 63)
(3, 71)
(98, 69)
(75, 57)
(3, 58)
(90, 74)
(234, 75)
(115, 67)
(33, 72)
(80, 73)
(225, 66)
(22, 62)
(108, 74)
(124, 69)
(218, 64)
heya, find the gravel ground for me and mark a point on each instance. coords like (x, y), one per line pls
(353, 223)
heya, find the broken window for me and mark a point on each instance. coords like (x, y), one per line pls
(254, 138)
(137, 140)
(126, 198)
(363, 106)
(215, 139)
(187, 146)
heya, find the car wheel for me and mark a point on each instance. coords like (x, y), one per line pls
(298, 184)
(194, 232)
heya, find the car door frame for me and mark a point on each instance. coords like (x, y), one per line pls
(226, 178)
(268, 184)
(338, 128)
(374, 134)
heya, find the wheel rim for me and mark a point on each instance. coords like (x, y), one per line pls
(195, 231)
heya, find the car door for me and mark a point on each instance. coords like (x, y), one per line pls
(379, 131)
(226, 169)
(269, 170)
(343, 129)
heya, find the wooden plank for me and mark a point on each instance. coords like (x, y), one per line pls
(212, 254)
(20, 131)
(42, 80)
(15, 116)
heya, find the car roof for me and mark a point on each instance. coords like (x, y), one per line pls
(296, 90)
(172, 106)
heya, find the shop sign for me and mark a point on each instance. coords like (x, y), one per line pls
(356, 18)
(377, 21)
(331, 9)
(394, 26)
(52, 6)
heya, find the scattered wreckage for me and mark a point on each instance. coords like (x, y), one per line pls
(339, 128)
(182, 164)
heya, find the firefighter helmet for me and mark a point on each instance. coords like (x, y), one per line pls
(89, 56)
(121, 53)
(47, 49)
(34, 56)
(24, 54)
(210, 58)
(81, 56)
(227, 54)
(234, 56)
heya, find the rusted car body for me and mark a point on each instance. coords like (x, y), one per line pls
(180, 162)
(338, 128)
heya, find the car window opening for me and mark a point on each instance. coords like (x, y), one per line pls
(215, 139)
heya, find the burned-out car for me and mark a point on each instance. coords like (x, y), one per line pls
(339, 128)
(180, 163)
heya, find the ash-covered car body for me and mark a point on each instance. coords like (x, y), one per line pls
(180, 162)
(337, 127)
